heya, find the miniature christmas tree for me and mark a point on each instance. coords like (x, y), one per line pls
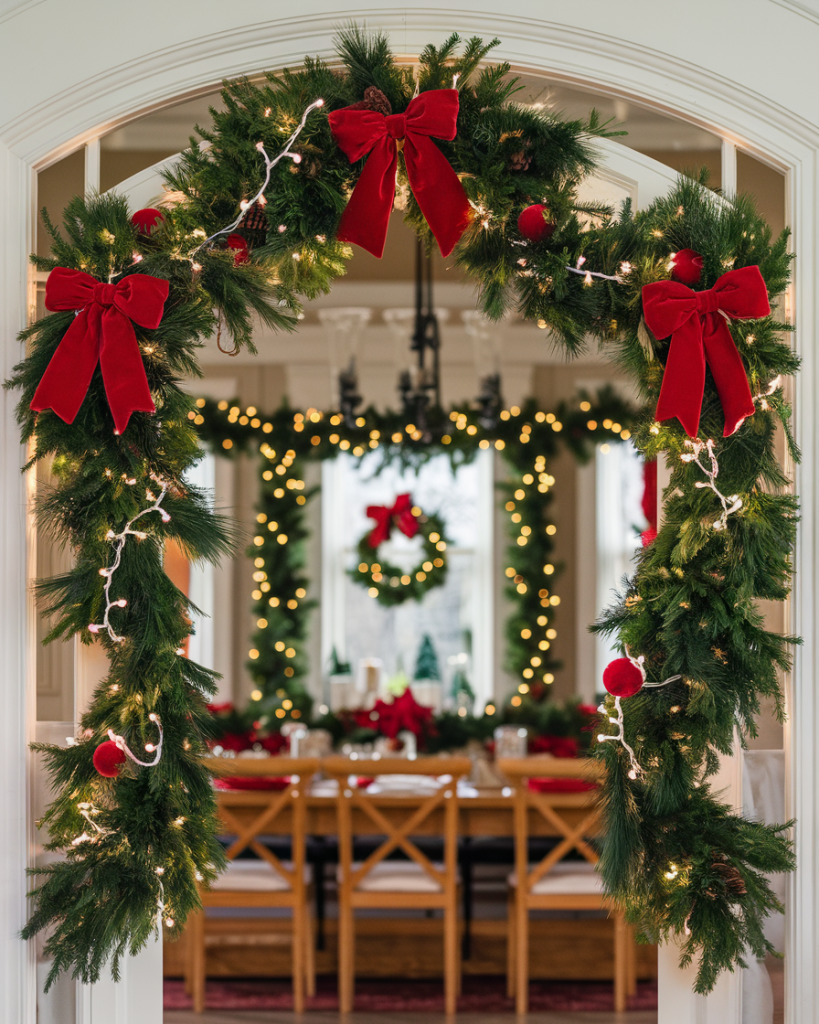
(426, 665)
(337, 666)
(462, 693)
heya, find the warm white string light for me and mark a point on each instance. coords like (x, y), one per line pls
(245, 204)
(589, 274)
(764, 395)
(160, 902)
(639, 663)
(731, 504)
(151, 748)
(619, 736)
(119, 541)
(619, 721)
(86, 810)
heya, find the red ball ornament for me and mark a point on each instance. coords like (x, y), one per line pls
(686, 267)
(107, 759)
(239, 246)
(146, 220)
(622, 678)
(532, 223)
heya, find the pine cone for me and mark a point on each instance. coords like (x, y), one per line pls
(254, 225)
(374, 99)
(519, 161)
(733, 880)
(310, 166)
(254, 219)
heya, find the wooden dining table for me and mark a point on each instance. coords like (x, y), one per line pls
(483, 812)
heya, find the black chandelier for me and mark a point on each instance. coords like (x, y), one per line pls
(419, 387)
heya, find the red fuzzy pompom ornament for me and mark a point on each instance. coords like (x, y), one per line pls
(622, 678)
(532, 223)
(239, 246)
(686, 267)
(146, 220)
(107, 759)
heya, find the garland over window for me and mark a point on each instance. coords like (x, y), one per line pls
(678, 295)
(287, 439)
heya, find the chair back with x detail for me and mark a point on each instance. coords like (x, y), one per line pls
(398, 815)
(299, 772)
(247, 816)
(554, 883)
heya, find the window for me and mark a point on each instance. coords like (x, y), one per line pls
(619, 522)
(201, 581)
(458, 615)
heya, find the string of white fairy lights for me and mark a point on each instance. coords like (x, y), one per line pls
(259, 197)
(119, 540)
(619, 736)
(731, 504)
(588, 275)
(87, 810)
(618, 720)
(151, 748)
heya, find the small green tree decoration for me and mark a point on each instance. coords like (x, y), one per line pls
(426, 665)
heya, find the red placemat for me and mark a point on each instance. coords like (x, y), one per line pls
(561, 785)
(233, 782)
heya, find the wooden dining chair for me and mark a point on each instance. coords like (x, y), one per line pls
(414, 884)
(264, 881)
(553, 883)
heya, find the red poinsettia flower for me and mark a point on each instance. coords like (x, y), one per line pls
(235, 741)
(557, 746)
(275, 743)
(401, 713)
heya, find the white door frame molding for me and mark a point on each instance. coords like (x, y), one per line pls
(104, 67)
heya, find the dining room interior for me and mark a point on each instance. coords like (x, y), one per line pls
(429, 509)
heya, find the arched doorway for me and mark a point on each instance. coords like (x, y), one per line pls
(605, 58)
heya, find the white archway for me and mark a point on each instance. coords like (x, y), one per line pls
(104, 66)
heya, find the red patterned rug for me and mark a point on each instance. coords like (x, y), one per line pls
(481, 994)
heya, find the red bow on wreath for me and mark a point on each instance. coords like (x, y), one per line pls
(696, 322)
(399, 515)
(101, 332)
(434, 184)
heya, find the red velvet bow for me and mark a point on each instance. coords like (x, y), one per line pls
(400, 514)
(696, 323)
(435, 185)
(102, 333)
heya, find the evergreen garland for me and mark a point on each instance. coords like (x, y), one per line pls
(675, 857)
(678, 859)
(528, 439)
(305, 200)
(153, 833)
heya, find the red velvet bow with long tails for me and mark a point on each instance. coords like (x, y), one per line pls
(101, 332)
(400, 514)
(435, 185)
(696, 322)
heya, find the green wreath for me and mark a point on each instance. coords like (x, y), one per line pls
(389, 584)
